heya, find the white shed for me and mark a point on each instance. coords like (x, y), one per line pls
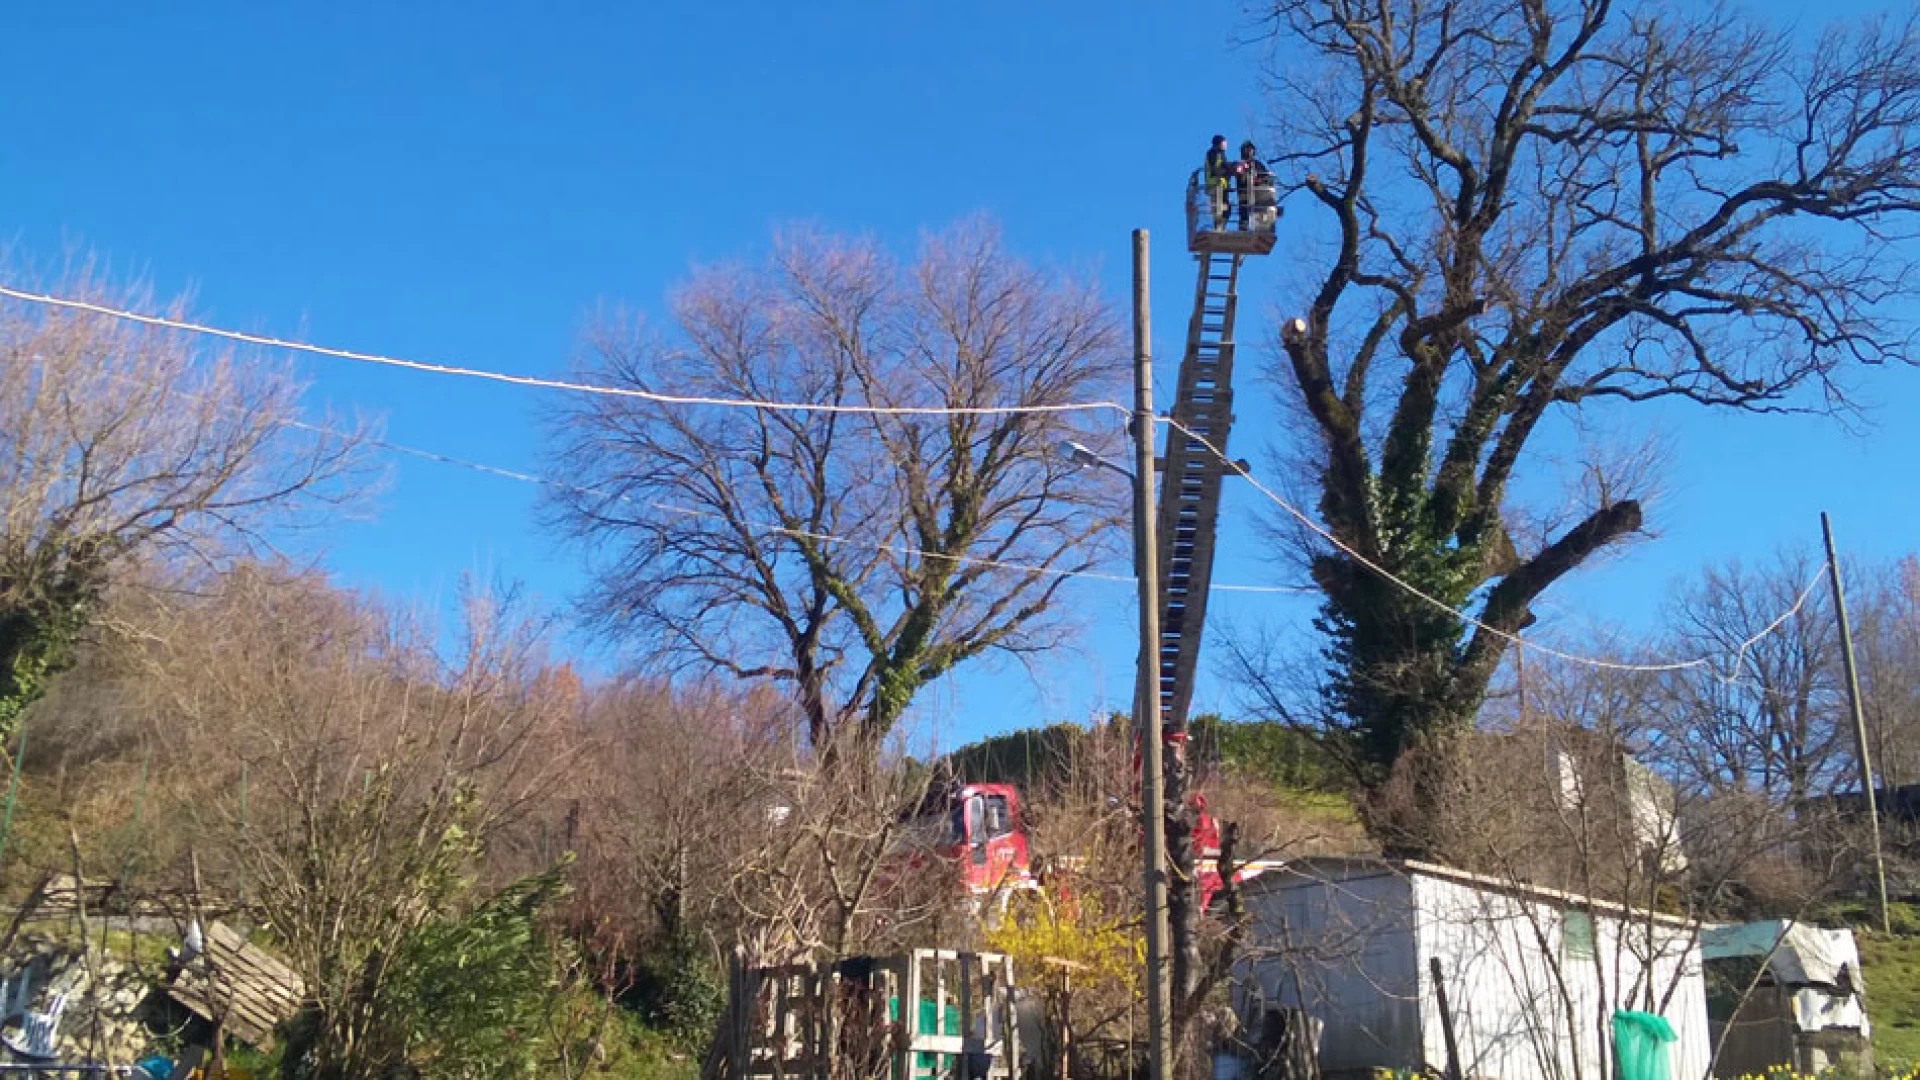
(1532, 975)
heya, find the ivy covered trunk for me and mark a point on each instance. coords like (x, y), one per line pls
(36, 642)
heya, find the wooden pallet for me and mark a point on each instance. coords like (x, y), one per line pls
(240, 985)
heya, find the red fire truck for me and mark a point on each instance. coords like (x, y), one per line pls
(980, 829)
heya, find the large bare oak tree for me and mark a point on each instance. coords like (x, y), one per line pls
(852, 556)
(1536, 205)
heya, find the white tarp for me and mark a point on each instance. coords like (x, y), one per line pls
(1818, 1010)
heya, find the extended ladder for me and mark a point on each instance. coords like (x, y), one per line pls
(1190, 482)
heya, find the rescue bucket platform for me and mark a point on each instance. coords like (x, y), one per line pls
(1214, 223)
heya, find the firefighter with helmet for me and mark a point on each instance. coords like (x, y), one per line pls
(1219, 170)
(1253, 184)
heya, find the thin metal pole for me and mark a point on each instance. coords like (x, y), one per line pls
(1859, 720)
(1146, 555)
(243, 829)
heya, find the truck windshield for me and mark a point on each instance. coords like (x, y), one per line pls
(940, 829)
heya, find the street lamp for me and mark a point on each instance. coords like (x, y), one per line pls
(1079, 454)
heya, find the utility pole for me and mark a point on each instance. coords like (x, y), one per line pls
(1146, 695)
(1859, 720)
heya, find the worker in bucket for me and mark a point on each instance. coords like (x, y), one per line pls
(1253, 182)
(1218, 172)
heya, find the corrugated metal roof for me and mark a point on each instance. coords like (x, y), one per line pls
(1352, 866)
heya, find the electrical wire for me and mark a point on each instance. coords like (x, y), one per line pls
(897, 549)
(541, 383)
(1730, 676)
(538, 382)
(1740, 655)
(1511, 638)
(760, 526)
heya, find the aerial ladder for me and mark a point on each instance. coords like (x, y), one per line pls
(1220, 237)
(991, 847)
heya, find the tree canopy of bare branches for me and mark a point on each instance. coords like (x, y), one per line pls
(852, 556)
(1776, 729)
(1532, 205)
(119, 442)
(347, 781)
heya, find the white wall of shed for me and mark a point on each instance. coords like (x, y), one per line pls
(1524, 1009)
(1342, 950)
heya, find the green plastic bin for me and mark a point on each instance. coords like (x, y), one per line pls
(929, 1024)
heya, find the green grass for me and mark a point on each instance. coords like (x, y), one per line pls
(1891, 969)
(635, 1052)
(1332, 807)
(145, 950)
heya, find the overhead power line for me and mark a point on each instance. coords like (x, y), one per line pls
(1518, 642)
(769, 527)
(538, 382)
(1730, 675)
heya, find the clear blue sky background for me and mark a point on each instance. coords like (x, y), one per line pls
(467, 182)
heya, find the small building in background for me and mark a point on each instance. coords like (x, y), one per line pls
(1786, 994)
(1532, 975)
(1574, 807)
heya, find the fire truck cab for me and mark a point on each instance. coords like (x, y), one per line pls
(979, 830)
(987, 838)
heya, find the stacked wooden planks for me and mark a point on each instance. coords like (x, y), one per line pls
(239, 985)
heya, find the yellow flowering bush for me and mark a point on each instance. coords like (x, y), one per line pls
(1043, 936)
(1782, 1072)
(1083, 964)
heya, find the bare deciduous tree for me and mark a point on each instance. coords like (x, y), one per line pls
(664, 810)
(1773, 722)
(850, 556)
(120, 441)
(833, 866)
(1888, 637)
(349, 781)
(1536, 205)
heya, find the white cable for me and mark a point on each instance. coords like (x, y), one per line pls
(1740, 655)
(786, 406)
(553, 384)
(757, 526)
(1514, 639)
(1730, 677)
(898, 549)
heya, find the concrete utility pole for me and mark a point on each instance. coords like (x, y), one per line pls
(1859, 720)
(1146, 696)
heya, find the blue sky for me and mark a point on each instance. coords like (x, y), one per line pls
(467, 183)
